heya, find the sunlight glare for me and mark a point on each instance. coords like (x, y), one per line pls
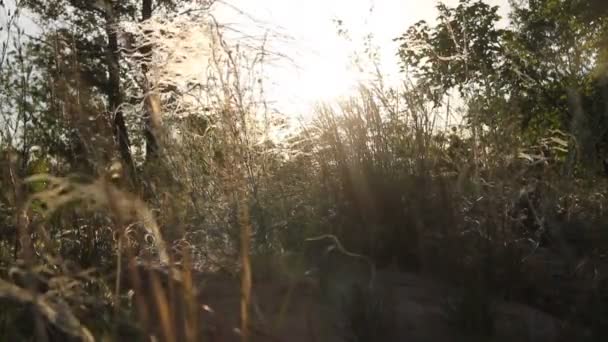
(328, 77)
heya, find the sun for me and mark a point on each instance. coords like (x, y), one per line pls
(307, 64)
(326, 74)
(328, 79)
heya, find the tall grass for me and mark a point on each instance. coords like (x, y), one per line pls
(89, 258)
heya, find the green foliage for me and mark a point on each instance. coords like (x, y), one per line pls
(464, 50)
(538, 63)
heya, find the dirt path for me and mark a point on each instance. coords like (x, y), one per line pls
(417, 307)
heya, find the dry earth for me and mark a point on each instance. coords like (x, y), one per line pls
(299, 311)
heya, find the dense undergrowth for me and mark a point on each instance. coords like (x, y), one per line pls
(496, 226)
(90, 251)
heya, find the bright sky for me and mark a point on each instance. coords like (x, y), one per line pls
(321, 68)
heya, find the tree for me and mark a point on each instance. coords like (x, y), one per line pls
(542, 71)
(461, 51)
(97, 46)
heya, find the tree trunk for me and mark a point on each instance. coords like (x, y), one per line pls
(114, 94)
(152, 120)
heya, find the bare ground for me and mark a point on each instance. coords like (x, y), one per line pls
(297, 310)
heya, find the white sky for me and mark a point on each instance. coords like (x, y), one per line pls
(321, 70)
